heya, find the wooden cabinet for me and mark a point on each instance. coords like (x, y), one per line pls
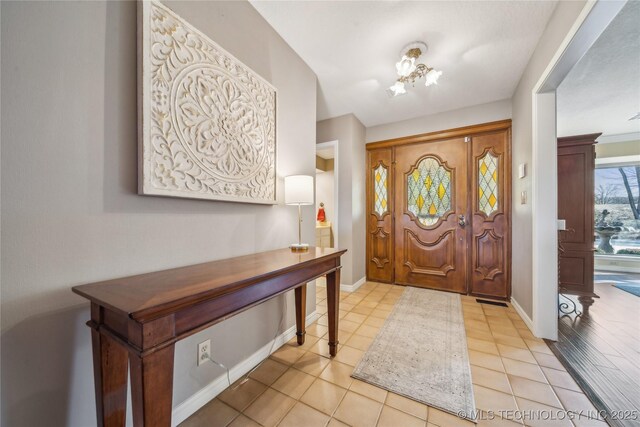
(323, 235)
(576, 171)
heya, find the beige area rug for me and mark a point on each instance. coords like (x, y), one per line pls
(421, 353)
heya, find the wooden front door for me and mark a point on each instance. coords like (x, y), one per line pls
(431, 213)
(439, 210)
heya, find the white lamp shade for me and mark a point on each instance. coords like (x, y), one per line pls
(298, 190)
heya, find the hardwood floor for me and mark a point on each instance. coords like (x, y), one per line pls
(601, 350)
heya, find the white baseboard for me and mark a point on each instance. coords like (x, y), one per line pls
(525, 318)
(185, 409)
(354, 287)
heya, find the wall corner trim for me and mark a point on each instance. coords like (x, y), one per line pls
(354, 287)
(187, 408)
(527, 320)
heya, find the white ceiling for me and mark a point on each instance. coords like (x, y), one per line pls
(602, 91)
(482, 47)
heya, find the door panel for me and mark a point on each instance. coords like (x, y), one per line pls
(430, 185)
(491, 202)
(380, 219)
(437, 258)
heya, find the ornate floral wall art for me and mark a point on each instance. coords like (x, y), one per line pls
(207, 122)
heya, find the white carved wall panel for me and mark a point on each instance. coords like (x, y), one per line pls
(208, 122)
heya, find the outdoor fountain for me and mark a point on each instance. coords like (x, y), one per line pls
(606, 231)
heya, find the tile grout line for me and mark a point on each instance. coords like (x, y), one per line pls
(501, 317)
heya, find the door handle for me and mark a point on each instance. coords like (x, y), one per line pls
(462, 221)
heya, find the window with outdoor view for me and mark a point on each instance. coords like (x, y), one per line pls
(617, 210)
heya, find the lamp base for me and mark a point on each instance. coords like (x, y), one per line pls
(299, 247)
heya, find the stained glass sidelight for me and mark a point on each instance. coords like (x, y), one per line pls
(380, 190)
(429, 191)
(488, 184)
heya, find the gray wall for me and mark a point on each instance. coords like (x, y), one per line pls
(350, 134)
(558, 26)
(70, 212)
(483, 113)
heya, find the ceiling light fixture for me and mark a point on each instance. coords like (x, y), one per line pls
(409, 71)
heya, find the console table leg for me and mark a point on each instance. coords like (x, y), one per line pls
(301, 312)
(110, 379)
(333, 306)
(152, 388)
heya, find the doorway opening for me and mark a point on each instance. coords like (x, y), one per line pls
(590, 24)
(327, 197)
(583, 210)
(327, 194)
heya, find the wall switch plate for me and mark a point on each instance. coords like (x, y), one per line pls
(522, 170)
(523, 197)
(562, 224)
(204, 352)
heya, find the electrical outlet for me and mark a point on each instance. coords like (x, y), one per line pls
(204, 352)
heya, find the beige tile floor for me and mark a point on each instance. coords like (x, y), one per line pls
(301, 386)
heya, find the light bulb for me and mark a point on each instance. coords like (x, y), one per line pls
(432, 77)
(406, 66)
(398, 89)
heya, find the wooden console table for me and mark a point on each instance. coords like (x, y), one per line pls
(140, 318)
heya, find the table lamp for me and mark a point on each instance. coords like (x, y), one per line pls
(298, 190)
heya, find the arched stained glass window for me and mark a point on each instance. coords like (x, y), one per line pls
(429, 191)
